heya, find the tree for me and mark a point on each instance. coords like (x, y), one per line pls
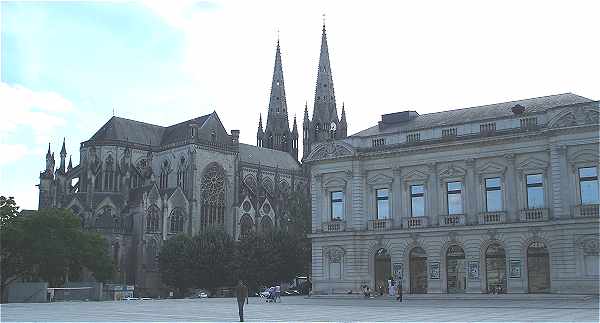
(211, 255)
(175, 265)
(49, 245)
(8, 210)
(299, 226)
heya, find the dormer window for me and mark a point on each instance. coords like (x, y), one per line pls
(450, 132)
(378, 142)
(413, 137)
(487, 128)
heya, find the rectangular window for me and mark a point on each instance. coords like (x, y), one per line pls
(493, 194)
(337, 205)
(383, 203)
(535, 191)
(451, 132)
(588, 185)
(417, 200)
(454, 195)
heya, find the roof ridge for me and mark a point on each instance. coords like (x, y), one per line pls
(137, 121)
(186, 121)
(497, 103)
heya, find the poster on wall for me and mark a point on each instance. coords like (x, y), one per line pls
(474, 270)
(434, 270)
(397, 269)
(515, 268)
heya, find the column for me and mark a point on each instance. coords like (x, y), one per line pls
(433, 198)
(558, 168)
(512, 206)
(397, 198)
(471, 186)
(315, 192)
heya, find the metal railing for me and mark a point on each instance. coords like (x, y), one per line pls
(416, 222)
(334, 226)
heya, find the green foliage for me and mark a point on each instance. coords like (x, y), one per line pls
(49, 245)
(174, 263)
(8, 210)
(211, 254)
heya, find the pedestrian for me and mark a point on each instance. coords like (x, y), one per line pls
(399, 291)
(278, 293)
(241, 292)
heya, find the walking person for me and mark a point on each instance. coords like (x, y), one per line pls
(241, 292)
(399, 290)
(278, 293)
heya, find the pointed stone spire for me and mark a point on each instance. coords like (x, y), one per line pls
(306, 119)
(49, 159)
(277, 101)
(295, 128)
(324, 107)
(70, 166)
(260, 133)
(343, 129)
(63, 157)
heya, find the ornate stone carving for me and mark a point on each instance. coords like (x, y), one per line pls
(333, 253)
(589, 244)
(397, 171)
(414, 237)
(470, 162)
(452, 236)
(452, 171)
(330, 149)
(535, 232)
(493, 234)
(348, 174)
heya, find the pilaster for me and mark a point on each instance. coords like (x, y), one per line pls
(432, 195)
(512, 207)
(471, 186)
(558, 170)
(397, 197)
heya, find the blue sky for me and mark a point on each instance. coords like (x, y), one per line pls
(66, 65)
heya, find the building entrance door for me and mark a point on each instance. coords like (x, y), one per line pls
(538, 268)
(495, 269)
(455, 269)
(418, 271)
(383, 270)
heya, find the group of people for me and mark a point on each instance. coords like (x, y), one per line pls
(272, 294)
(394, 289)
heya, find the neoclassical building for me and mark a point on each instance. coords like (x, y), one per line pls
(502, 197)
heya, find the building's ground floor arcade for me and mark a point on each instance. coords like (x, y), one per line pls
(541, 258)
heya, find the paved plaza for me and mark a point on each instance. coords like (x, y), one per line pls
(316, 309)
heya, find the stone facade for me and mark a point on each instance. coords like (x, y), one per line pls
(140, 184)
(477, 200)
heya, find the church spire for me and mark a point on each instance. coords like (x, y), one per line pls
(277, 102)
(325, 108)
(63, 156)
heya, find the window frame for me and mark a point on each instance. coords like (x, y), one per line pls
(460, 192)
(587, 179)
(383, 198)
(412, 195)
(331, 203)
(492, 189)
(527, 186)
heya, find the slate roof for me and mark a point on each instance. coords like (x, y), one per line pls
(479, 113)
(181, 130)
(269, 157)
(122, 129)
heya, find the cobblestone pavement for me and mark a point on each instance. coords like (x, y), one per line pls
(302, 309)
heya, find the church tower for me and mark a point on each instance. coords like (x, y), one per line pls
(277, 134)
(325, 123)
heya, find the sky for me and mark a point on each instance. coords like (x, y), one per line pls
(66, 66)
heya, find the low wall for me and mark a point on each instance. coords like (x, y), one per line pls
(28, 292)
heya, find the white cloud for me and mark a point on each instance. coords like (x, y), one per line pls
(40, 111)
(12, 153)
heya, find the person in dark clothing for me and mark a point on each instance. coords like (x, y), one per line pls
(241, 292)
(399, 290)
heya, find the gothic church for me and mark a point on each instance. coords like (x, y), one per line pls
(139, 184)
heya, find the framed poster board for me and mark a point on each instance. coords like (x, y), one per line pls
(434, 270)
(474, 270)
(515, 268)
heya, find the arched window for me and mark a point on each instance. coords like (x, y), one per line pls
(245, 226)
(152, 219)
(266, 224)
(176, 220)
(213, 197)
(164, 175)
(109, 174)
(181, 171)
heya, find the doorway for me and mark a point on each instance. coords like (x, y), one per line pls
(495, 269)
(538, 268)
(455, 270)
(383, 270)
(418, 271)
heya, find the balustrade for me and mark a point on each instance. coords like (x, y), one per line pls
(416, 222)
(334, 226)
(587, 210)
(452, 220)
(492, 217)
(380, 224)
(532, 215)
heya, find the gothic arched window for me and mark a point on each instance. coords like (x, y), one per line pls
(266, 225)
(213, 197)
(152, 219)
(246, 225)
(109, 174)
(181, 173)
(176, 221)
(164, 175)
